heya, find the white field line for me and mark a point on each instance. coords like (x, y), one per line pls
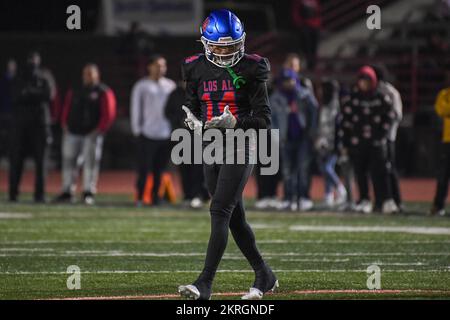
(118, 253)
(381, 229)
(10, 215)
(274, 241)
(220, 271)
(395, 263)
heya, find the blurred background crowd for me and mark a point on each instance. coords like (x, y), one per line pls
(358, 107)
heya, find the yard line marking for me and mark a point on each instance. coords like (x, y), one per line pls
(27, 249)
(347, 228)
(120, 253)
(396, 263)
(219, 271)
(275, 241)
(295, 292)
(315, 260)
(10, 215)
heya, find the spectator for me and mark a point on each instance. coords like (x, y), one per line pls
(192, 178)
(387, 88)
(150, 125)
(294, 112)
(6, 106)
(267, 184)
(367, 116)
(293, 62)
(306, 16)
(30, 126)
(442, 107)
(88, 113)
(326, 144)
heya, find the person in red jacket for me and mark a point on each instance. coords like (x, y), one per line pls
(88, 113)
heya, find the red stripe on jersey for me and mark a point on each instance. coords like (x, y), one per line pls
(206, 97)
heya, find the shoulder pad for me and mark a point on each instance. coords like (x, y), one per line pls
(188, 64)
(261, 66)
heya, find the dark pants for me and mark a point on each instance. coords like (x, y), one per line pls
(370, 160)
(309, 42)
(297, 157)
(226, 183)
(193, 181)
(443, 177)
(27, 139)
(153, 156)
(393, 174)
(267, 184)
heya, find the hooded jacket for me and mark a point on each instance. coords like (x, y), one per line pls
(366, 117)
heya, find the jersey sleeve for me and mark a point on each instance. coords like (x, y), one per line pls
(192, 100)
(260, 117)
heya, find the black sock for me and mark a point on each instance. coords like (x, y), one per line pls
(216, 246)
(245, 238)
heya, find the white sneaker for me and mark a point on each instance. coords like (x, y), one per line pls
(365, 206)
(328, 200)
(196, 203)
(341, 195)
(283, 205)
(274, 203)
(262, 204)
(294, 206)
(389, 207)
(306, 204)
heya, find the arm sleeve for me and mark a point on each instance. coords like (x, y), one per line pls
(442, 104)
(108, 111)
(345, 123)
(259, 100)
(135, 110)
(387, 114)
(313, 107)
(66, 108)
(192, 100)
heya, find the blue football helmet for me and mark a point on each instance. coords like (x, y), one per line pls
(222, 31)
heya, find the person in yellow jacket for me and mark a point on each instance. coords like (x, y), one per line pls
(443, 110)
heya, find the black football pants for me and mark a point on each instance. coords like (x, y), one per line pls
(226, 183)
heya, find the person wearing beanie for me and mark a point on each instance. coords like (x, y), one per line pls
(366, 118)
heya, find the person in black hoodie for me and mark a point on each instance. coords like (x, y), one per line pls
(30, 131)
(367, 116)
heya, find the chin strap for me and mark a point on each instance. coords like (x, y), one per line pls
(238, 81)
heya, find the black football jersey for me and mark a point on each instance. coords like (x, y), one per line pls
(210, 88)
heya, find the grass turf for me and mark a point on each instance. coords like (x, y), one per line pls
(125, 251)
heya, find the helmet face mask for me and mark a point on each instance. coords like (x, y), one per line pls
(223, 38)
(224, 53)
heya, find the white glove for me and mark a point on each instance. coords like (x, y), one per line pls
(226, 120)
(191, 121)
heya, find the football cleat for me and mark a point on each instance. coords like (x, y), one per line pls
(265, 281)
(256, 294)
(196, 291)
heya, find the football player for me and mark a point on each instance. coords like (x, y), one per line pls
(226, 89)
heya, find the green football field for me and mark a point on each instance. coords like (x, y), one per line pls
(129, 253)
